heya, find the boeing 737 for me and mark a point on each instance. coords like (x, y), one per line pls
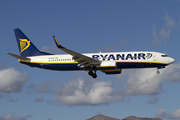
(109, 63)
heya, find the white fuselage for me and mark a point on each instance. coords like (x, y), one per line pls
(122, 60)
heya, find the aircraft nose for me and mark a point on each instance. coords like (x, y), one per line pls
(171, 60)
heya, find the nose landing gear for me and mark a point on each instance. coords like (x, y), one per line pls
(157, 71)
(93, 74)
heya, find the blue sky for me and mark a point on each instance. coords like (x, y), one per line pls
(90, 26)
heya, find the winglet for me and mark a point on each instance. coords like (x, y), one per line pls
(57, 43)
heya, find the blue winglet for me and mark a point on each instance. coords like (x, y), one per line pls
(57, 43)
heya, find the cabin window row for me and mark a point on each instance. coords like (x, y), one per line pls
(60, 60)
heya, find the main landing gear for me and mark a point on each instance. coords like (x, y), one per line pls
(93, 74)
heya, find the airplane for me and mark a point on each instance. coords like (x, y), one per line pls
(109, 62)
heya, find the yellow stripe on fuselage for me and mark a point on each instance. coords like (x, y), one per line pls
(108, 66)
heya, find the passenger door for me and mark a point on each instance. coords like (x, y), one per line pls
(154, 57)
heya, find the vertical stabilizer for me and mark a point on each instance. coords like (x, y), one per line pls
(26, 47)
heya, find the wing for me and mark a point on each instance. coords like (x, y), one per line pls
(83, 60)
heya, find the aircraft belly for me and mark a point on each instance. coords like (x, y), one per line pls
(61, 66)
(138, 65)
(54, 66)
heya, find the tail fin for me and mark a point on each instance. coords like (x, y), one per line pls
(26, 47)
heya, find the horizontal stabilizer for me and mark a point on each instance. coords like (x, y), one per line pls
(18, 57)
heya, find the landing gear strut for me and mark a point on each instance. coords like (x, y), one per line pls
(94, 75)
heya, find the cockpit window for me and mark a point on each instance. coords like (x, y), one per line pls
(164, 56)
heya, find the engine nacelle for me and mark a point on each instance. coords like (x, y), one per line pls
(109, 72)
(107, 65)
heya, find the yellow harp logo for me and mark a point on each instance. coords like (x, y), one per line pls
(24, 44)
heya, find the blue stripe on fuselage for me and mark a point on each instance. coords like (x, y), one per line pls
(132, 64)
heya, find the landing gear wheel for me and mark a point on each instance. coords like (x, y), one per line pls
(90, 73)
(94, 75)
(157, 71)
